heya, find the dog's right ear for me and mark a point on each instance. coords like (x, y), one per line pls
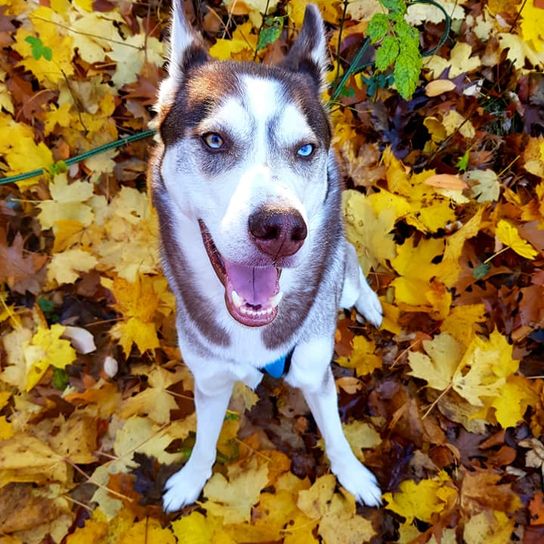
(308, 55)
(186, 49)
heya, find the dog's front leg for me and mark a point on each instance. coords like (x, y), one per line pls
(311, 372)
(185, 486)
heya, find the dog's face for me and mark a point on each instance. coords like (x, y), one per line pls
(246, 152)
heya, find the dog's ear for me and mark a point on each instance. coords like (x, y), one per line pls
(186, 49)
(309, 52)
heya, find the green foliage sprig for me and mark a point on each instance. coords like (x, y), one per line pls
(397, 46)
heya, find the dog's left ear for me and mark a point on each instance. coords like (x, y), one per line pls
(309, 52)
(186, 49)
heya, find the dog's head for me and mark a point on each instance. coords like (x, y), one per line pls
(246, 152)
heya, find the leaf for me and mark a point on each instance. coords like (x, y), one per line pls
(232, 499)
(461, 61)
(387, 53)
(148, 530)
(193, 529)
(377, 27)
(446, 181)
(155, 401)
(509, 236)
(362, 358)
(39, 50)
(484, 185)
(270, 32)
(46, 348)
(423, 499)
(21, 270)
(489, 527)
(439, 365)
(369, 231)
(67, 266)
(25, 458)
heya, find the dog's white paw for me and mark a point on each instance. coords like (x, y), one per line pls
(370, 307)
(183, 488)
(361, 483)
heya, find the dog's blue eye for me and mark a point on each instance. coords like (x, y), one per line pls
(213, 140)
(306, 150)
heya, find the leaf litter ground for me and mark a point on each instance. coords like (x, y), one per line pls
(444, 205)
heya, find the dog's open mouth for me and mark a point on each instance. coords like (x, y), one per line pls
(252, 293)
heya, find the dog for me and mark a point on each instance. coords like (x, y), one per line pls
(247, 192)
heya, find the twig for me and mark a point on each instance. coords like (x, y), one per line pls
(436, 401)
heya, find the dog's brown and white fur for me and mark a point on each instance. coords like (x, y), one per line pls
(243, 145)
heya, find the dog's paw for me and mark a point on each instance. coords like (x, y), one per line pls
(370, 307)
(361, 483)
(182, 488)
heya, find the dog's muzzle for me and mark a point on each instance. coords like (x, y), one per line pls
(277, 232)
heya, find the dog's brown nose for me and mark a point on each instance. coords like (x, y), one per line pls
(278, 232)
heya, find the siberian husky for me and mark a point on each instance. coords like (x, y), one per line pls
(248, 196)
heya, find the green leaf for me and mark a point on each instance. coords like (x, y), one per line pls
(406, 72)
(270, 32)
(481, 271)
(46, 306)
(408, 35)
(398, 6)
(39, 50)
(58, 167)
(386, 53)
(378, 27)
(60, 379)
(462, 163)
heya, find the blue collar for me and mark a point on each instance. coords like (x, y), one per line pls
(280, 366)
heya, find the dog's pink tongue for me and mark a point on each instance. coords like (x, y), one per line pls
(255, 284)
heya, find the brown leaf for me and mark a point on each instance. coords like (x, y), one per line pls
(22, 273)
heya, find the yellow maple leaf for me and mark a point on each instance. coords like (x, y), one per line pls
(6, 428)
(233, 499)
(361, 436)
(94, 47)
(46, 348)
(438, 365)
(415, 268)
(18, 149)
(68, 203)
(150, 531)
(67, 266)
(138, 302)
(369, 231)
(25, 458)
(489, 527)
(462, 322)
(519, 50)
(58, 117)
(51, 30)
(92, 532)
(194, 529)
(362, 357)
(241, 46)
(508, 234)
(461, 61)
(155, 401)
(532, 25)
(484, 185)
(130, 55)
(328, 9)
(423, 499)
(449, 269)
(510, 406)
(484, 368)
(129, 237)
